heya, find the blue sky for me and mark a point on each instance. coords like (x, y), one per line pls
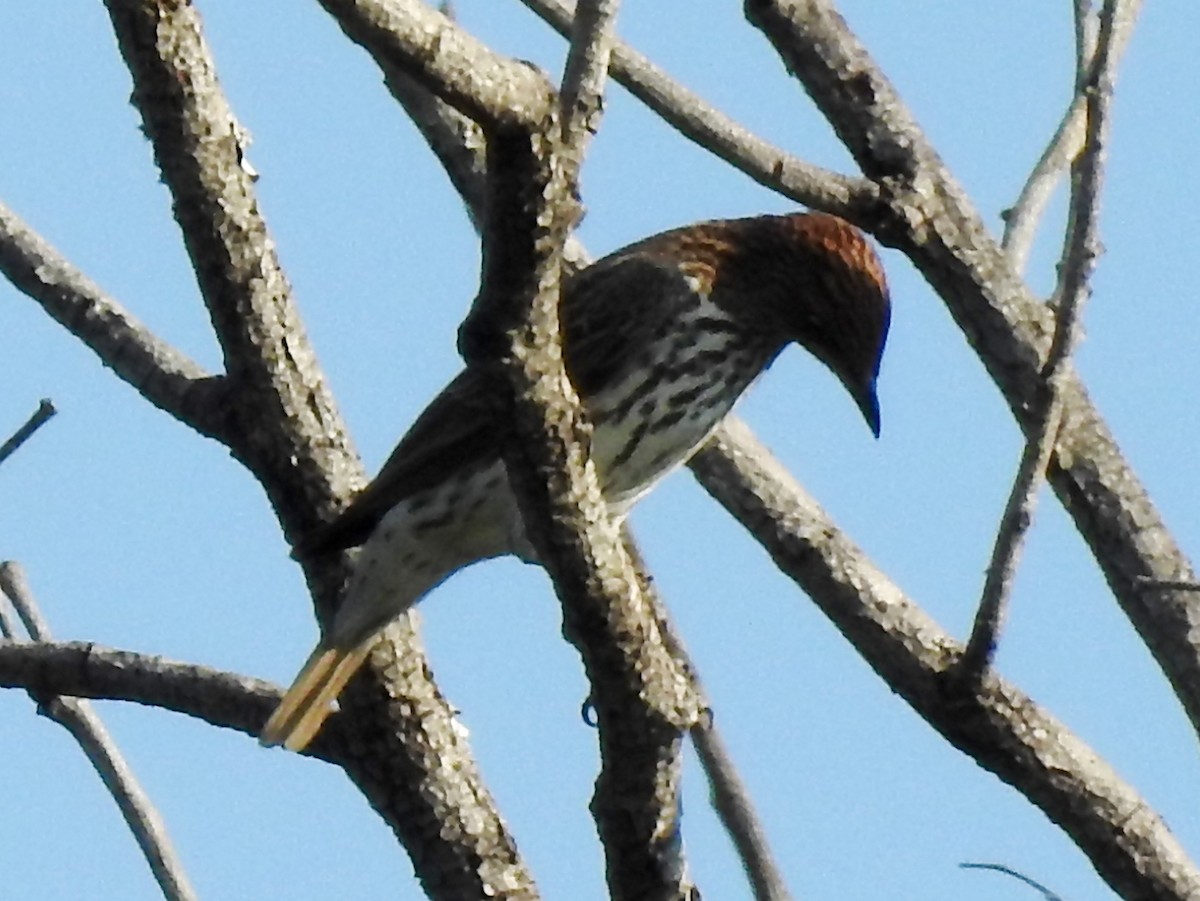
(138, 534)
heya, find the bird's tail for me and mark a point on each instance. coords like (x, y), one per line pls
(307, 703)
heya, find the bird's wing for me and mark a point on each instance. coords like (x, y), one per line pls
(604, 308)
(454, 431)
(607, 306)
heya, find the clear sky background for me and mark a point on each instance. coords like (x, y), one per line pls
(138, 534)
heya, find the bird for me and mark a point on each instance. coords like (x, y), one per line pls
(659, 339)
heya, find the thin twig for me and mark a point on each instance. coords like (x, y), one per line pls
(734, 806)
(1080, 252)
(8, 624)
(699, 121)
(39, 418)
(1022, 219)
(77, 716)
(1009, 871)
(728, 792)
(581, 95)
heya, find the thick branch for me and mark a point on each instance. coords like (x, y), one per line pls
(408, 757)
(406, 34)
(643, 702)
(929, 217)
(999, 727)
(459, 146)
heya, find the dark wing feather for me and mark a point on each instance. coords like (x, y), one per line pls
(456, 430)
(605, 308)
(609, 309)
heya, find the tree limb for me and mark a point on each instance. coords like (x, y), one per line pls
(77, 717)
(460, 147)
(998, 726)
(409, 758)
(643, 702)
(491, 89)
(701, 122)
(164, 376)
(1080, 252)
(927, 215)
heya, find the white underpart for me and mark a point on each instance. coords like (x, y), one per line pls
(420, 541)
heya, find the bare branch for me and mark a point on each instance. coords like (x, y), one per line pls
(78, 718)
(222, 699)
(728, 792)
(581, 95)
(459, 145)
(409, 758)
(642, 700)
(734, 806)
(160, 373)
(926, 214)
(1082, 248)
(15, 587)
(700, 122)
(1009, 871)
(999, 727)
(200, 149)
(1021, 221)
(428, 46)
(39, 418)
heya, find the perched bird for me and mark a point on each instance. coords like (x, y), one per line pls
(660, 339)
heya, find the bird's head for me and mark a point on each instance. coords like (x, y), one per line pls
(814, 279)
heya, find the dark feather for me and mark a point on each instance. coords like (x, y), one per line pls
(604, 308)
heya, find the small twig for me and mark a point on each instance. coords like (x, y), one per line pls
(701, 122)
(728, 793)
(15, 587)
(1022, 219)
(78, 718)
(581, 96)
(1000, 868)
(732, 802)
(1081, 249)
(8, 625)
(39, 418)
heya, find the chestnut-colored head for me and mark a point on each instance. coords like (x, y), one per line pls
(811, 278)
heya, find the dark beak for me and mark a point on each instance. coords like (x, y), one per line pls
(868, 404)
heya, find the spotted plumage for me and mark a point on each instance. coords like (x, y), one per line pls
(660, 339)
